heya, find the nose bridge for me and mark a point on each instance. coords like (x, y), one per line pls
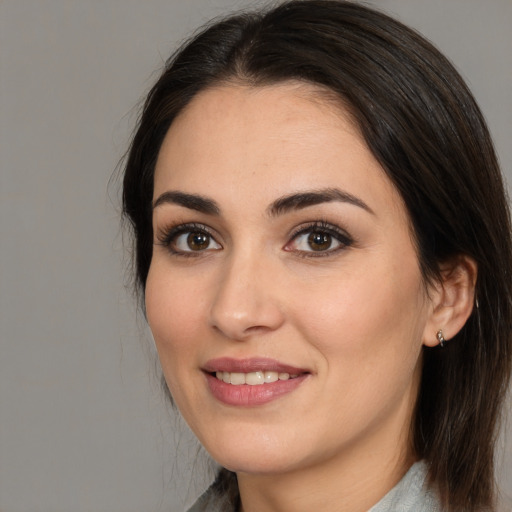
(245, 301)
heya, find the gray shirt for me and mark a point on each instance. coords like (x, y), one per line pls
(409, 495)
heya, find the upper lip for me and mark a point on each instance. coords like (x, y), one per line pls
(253, 364)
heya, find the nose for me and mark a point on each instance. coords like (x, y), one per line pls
(246, 301)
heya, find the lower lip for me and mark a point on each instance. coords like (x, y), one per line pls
(246, 395)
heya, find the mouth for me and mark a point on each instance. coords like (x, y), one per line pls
(253, 378)
(252, 381)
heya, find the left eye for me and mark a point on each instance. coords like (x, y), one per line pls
(316, 241)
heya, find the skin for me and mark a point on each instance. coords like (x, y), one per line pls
(355, 316)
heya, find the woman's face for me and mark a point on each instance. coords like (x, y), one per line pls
(283, 253)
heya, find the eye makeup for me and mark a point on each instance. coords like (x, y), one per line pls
(317, 238)
(187, 239)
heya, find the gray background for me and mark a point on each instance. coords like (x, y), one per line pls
(83, 425)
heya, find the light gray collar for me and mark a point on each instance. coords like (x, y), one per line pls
(411, 494)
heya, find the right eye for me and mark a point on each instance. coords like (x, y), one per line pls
(195, 241)
(186, 239)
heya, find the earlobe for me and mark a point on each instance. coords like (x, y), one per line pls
(452, 300)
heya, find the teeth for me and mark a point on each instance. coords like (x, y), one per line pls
(271, 376)
(252, 378)
(237, 379)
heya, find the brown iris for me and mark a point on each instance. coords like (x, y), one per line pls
(319, 241)
(198, 241)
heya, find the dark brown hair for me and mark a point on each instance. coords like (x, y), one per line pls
(422, 124)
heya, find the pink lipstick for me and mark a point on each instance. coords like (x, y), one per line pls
(254, 381)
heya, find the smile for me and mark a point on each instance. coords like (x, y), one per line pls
(251, 382)
(253, 378)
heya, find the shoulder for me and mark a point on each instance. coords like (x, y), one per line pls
(221, 496)
(411, 494)
(504, 503)
(211, 501)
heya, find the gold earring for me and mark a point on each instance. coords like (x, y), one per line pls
(440, 338)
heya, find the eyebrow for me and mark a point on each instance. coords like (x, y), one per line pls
(280, 206)
(310, 198)
(191, 201)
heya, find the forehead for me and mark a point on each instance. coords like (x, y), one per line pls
(284, 107)
(268, 141)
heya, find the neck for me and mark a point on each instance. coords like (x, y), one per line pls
(353, 480)
(328, 488)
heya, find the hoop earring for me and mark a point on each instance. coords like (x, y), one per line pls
(440, 338)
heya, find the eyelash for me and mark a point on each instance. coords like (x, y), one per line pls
(167, 236)
(323, 227)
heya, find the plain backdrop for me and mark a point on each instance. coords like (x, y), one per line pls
(83, 424)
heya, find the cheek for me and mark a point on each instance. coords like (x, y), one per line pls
(173, 313)
(370, 318)
(172, 316)
(369, 338)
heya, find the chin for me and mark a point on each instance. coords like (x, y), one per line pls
(256, 463)
(251, 451)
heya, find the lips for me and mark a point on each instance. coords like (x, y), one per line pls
(227, 364)
(255, 381)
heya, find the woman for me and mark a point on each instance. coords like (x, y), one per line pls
(323, 241)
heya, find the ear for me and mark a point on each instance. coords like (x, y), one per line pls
(452, 299)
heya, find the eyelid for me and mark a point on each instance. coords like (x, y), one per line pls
(338, 233)
(170, 232)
